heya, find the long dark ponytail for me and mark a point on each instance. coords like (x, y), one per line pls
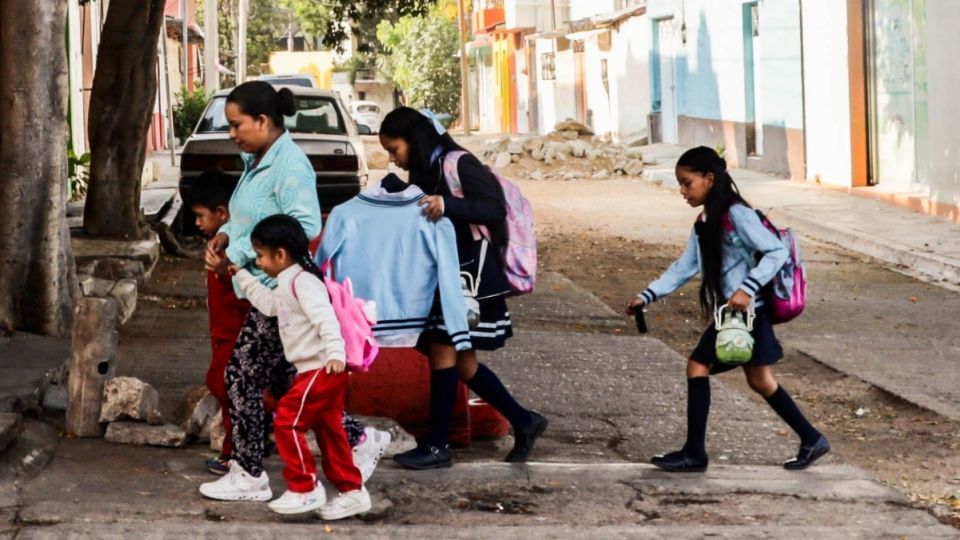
(282, 231)
(723, 193)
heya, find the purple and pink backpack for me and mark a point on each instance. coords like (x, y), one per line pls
(788, 288)
(356, 318)
(520, 253)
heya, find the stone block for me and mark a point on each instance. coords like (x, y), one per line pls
(515, 147)
(572, 125)
(503, 159)
(533, 143)
(146, 435)
(196, 412)
(130, 398)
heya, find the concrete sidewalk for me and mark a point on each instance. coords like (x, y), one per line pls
(919, 244)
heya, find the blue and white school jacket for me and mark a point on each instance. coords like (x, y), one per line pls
(736, 274)
(398, 258)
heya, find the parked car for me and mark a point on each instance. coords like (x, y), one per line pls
(367, 113)
(292, 79)
(321, 127)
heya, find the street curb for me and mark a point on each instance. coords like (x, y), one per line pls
(930, 265)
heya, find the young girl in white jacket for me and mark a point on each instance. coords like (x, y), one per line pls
(313, 344)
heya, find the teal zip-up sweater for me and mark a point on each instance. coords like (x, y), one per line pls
(282, 183)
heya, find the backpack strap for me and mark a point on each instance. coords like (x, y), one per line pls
(293, 285)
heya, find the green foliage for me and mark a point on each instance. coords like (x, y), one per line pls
(361, 19)
(188, 109)
(77, 175)
(721, 150)
(420, 60)
(313, 16)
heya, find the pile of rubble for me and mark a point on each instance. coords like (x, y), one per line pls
(570, 141)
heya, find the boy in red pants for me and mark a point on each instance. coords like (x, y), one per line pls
(208, 198)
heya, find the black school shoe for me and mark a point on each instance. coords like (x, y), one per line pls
(680, 462)
(808, 454)
(524, 439)
(425, 456)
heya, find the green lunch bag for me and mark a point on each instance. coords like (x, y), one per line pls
(734, 342)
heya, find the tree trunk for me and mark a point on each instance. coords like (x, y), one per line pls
(121, 108)
(38, 285)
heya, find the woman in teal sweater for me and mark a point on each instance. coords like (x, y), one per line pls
(277, 179)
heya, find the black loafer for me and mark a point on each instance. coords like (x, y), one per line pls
(524, 439)
(681, 462)
(425, 456)
(808, 454)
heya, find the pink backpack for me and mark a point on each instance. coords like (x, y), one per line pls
(520, 253)
(356, 320)
(789, 286)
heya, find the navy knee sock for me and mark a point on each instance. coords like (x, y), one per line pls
(781, 402)
(486, 385)
(698, 408)
(443, 395)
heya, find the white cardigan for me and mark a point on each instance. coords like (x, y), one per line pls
(309, 328)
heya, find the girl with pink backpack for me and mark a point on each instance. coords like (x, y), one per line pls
(418, 143)
(741, 259)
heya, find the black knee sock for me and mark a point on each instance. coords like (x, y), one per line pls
(486, 385)
(698, 407)
(443, 395)
(781, 402)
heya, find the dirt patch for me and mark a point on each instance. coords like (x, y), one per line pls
(909, 448)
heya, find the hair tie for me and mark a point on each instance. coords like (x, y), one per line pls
(432, 117)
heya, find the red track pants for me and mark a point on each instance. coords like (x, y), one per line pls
(315, 401)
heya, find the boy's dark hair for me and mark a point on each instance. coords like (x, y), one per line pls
(282, 231)
(258, 97)
(724, 193)
(211, 190)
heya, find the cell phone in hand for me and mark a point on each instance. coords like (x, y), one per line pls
(641, 321)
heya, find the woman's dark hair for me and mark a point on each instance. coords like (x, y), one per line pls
(258, 97)
(422, 138)
(282, 231)
(724, 193)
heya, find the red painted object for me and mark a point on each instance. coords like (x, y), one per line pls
(485, 422)
(398, 386)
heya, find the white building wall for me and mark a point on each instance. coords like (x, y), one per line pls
(827, 86)
(629, 72)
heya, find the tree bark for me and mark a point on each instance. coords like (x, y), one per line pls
(121, 108)
(38, 284)
(92, 362)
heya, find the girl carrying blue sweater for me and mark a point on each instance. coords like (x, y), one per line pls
(726, 279)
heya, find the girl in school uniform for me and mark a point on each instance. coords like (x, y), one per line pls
(728, 280)
(418, 143)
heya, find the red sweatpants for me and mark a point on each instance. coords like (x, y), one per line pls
(315, 401)
(217, 384)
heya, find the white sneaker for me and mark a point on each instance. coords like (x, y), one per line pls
(366, 455)
(346, 504)
(238, 485)
(292, 502)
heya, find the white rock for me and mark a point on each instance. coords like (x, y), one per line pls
(503, 159)
(571, 125)
(515, 147)
(130, 398)
(537, 154)
(579, 149)
(634, 153)
(633, 167)
(145, 435)
(533, 143)
(570, 135)
(515, 158)
(216, 433)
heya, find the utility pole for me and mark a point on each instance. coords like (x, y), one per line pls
(242, 43)
(186, 46)
(464, 82)
(211, 47)
(165, 92)
(553, 13)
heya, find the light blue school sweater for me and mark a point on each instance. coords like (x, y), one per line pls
(735, 274)
(397, 258)
(282, 183)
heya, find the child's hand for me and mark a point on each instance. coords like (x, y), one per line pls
(233, 269)
(740, 301)
(634, 304)
(216, 262)
(219, 242)
(336, 366)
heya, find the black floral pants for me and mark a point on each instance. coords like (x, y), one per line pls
(258, 363)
